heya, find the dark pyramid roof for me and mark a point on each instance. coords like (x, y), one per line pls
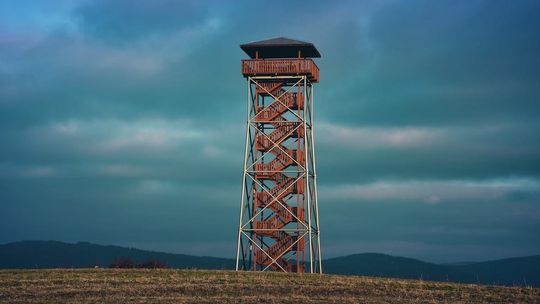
(281, 47)
(277, 41)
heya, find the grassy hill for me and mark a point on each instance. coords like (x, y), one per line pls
(523, 271)
(213, 286)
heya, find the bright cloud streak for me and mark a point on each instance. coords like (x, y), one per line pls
(115, 135)
(373, 138)
(431, 192)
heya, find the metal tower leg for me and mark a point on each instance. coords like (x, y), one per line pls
(278, 182)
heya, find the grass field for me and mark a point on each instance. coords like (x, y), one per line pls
(205, 286)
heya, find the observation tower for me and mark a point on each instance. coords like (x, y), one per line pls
(279, 214)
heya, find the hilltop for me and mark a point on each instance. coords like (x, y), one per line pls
(523, 271)
(214, 286)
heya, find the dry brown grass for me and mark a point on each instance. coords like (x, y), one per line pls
(206, 286)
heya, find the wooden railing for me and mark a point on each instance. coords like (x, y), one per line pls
(253, 67)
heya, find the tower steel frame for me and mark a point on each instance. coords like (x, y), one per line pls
(279, 214)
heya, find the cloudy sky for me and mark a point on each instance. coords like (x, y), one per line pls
(122, 122)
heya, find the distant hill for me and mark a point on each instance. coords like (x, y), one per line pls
(52, 254)
(513, 271)
(382, 265)
(523, 271)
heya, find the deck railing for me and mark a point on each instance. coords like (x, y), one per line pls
(253, 67)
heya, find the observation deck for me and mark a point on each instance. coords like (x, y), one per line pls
(281, 67)
(280, 57)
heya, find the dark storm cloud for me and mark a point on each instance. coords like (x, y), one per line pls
(125, 21)
(122, 122)
(439, 64)
(80, 72)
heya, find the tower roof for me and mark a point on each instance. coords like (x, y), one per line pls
(280, 47)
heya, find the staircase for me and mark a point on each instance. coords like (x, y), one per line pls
(278, 214)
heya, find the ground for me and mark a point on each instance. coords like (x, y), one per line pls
(209, 286)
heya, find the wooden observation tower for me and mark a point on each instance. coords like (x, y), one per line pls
(279, 215)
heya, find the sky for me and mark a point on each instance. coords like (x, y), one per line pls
(122, 122)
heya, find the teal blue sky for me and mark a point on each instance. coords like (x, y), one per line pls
(122, 122)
